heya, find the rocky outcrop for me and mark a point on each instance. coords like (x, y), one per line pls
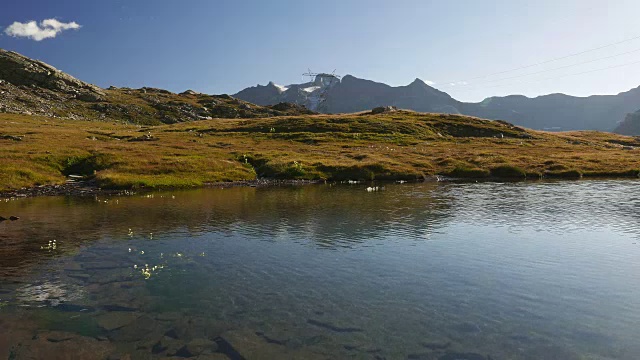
(383, 109)
(20, 70)
(291, 109)
(630, 125)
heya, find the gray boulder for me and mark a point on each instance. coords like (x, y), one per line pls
(383, 109)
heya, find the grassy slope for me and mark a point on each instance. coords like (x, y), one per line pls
(399, 145)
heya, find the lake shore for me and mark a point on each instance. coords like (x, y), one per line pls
(91, 188)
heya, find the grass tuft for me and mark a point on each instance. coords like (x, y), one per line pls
(509, 172)
(86, 165)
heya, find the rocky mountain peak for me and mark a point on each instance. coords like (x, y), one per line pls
(20, 70)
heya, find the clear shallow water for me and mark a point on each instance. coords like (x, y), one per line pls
(417, 271)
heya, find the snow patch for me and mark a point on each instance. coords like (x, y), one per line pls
(281, 88)
(311, 89)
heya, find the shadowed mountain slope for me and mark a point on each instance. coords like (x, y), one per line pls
(630, 125)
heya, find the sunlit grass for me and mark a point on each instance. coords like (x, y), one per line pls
(396, 146)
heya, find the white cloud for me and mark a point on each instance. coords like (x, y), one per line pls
(48, 28)
(429, 82)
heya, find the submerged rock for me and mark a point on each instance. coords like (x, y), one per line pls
(116, 319)
(118, 308)
(57, 345)
(201, 346)
(65, 307)
(166, 345)
(246, 344)
(143, 328)
(333, 327)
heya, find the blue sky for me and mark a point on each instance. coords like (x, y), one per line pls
(224, 46)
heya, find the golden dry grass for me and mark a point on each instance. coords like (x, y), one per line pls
(399, 145)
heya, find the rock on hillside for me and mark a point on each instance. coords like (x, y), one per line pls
(291, 109)
(34, 88)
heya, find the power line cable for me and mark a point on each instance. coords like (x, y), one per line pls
(547, 70)
(555, 77)
(548, 61)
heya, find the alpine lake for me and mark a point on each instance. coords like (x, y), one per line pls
(442, 271)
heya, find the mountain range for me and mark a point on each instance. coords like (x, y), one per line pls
(549, 112)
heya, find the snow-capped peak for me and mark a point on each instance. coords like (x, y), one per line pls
(309, 94)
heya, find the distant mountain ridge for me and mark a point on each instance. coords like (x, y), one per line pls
(547, 112)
